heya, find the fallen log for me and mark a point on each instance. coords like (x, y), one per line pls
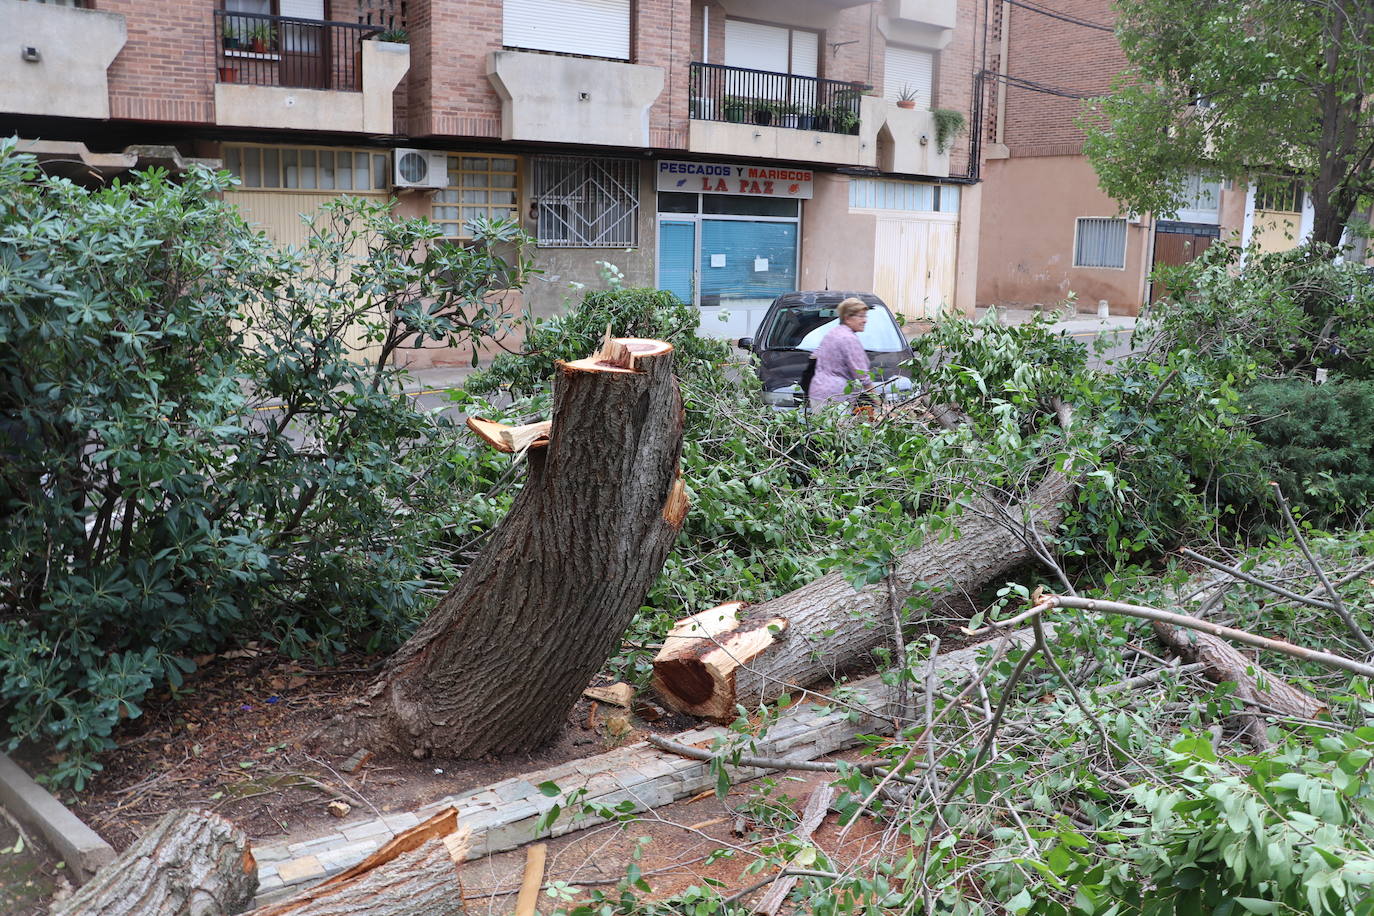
(415, 874)
(502, 659)
(189, 863)
(731, 655)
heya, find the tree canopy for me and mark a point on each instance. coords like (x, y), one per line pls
(1236, 88)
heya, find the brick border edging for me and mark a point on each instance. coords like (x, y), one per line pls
(79, 846)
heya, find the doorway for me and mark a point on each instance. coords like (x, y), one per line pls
(1177, 243)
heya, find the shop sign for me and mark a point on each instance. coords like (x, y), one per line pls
(721, 178)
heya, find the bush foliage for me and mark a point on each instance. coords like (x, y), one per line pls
(196, 448)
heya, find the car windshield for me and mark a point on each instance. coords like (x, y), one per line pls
(804, 327)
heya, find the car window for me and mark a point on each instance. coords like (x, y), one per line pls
(805, 328)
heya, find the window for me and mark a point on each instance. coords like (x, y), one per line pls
(892, 194)
(1201, 198)
(586, 203)
(590, 28)
(909, 67)
(1278, 192)
(307, 168)
(777, 49)
(478, 186)
(1100, 243)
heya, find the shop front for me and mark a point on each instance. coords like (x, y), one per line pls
(729, 238)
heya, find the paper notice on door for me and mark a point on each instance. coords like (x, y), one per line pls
(717, 260)
(760, 265)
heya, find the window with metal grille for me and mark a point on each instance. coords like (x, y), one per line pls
(1100, 243)
(586, 203)
(478, 186)
(1278, 192)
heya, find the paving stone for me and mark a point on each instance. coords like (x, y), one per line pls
(269, 883)
(266, 854)
(480, 820)
(512, 835)
(515, 789)
(265, 871)
(401, 822)
(367, 829)
(319, 844)
(336, 860)
(302, 869)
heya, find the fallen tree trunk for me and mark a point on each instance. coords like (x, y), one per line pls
(188, 863)
(416, 874)
(504, 656)
(716, 659)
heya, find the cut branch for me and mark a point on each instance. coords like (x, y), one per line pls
(718, 659)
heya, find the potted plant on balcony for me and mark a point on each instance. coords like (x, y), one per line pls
(395, 36)
(228, 74)
(821, 117)
(262, 37)
(907, 97)
(763, 112)
(734, 109)
(788, 116)
(232, 39)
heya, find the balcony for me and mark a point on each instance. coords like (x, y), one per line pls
(304, 74)
(559, 99)
(56, 59)
(741, 112)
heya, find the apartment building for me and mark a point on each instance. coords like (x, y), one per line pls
(1048, 231)
(727, 150)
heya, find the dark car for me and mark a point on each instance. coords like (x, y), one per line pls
(793, 328)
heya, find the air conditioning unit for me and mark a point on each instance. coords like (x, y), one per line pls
(420, 168)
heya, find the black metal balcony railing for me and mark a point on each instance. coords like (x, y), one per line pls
(292, 53)
(721, 93)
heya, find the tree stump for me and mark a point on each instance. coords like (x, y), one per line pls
(189, 864)
(727, 656)
(504, 656)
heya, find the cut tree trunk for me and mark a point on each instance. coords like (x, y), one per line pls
(416, 874)
(504, 656)
(716, 659)
(189, 864)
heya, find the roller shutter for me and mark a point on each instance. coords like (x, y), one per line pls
(909, 67)
(594, 28)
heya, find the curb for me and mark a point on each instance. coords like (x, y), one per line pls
(79, 846)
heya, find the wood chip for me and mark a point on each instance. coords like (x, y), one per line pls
(338, 809)
(619, 694)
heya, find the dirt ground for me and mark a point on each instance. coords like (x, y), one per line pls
(237, 739)
(29, 872)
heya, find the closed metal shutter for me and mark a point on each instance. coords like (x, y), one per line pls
(593, 28)
(770, 47)
(909, 67)
(1100, 243)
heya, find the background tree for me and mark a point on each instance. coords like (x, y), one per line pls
(1236, 87)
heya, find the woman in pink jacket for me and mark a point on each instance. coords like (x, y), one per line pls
(841, 363)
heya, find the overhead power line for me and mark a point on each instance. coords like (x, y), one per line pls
(1033, 86)
(1062, 17)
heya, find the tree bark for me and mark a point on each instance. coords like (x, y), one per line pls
(189, 864)
(504, 656)
(723, 657)
(1224, 663)
(416, 874)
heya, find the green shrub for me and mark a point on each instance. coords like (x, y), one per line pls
(1284, 313)
(627, 312)
(191, 449)
(1317, 442)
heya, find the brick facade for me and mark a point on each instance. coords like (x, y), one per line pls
(1061, 55)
